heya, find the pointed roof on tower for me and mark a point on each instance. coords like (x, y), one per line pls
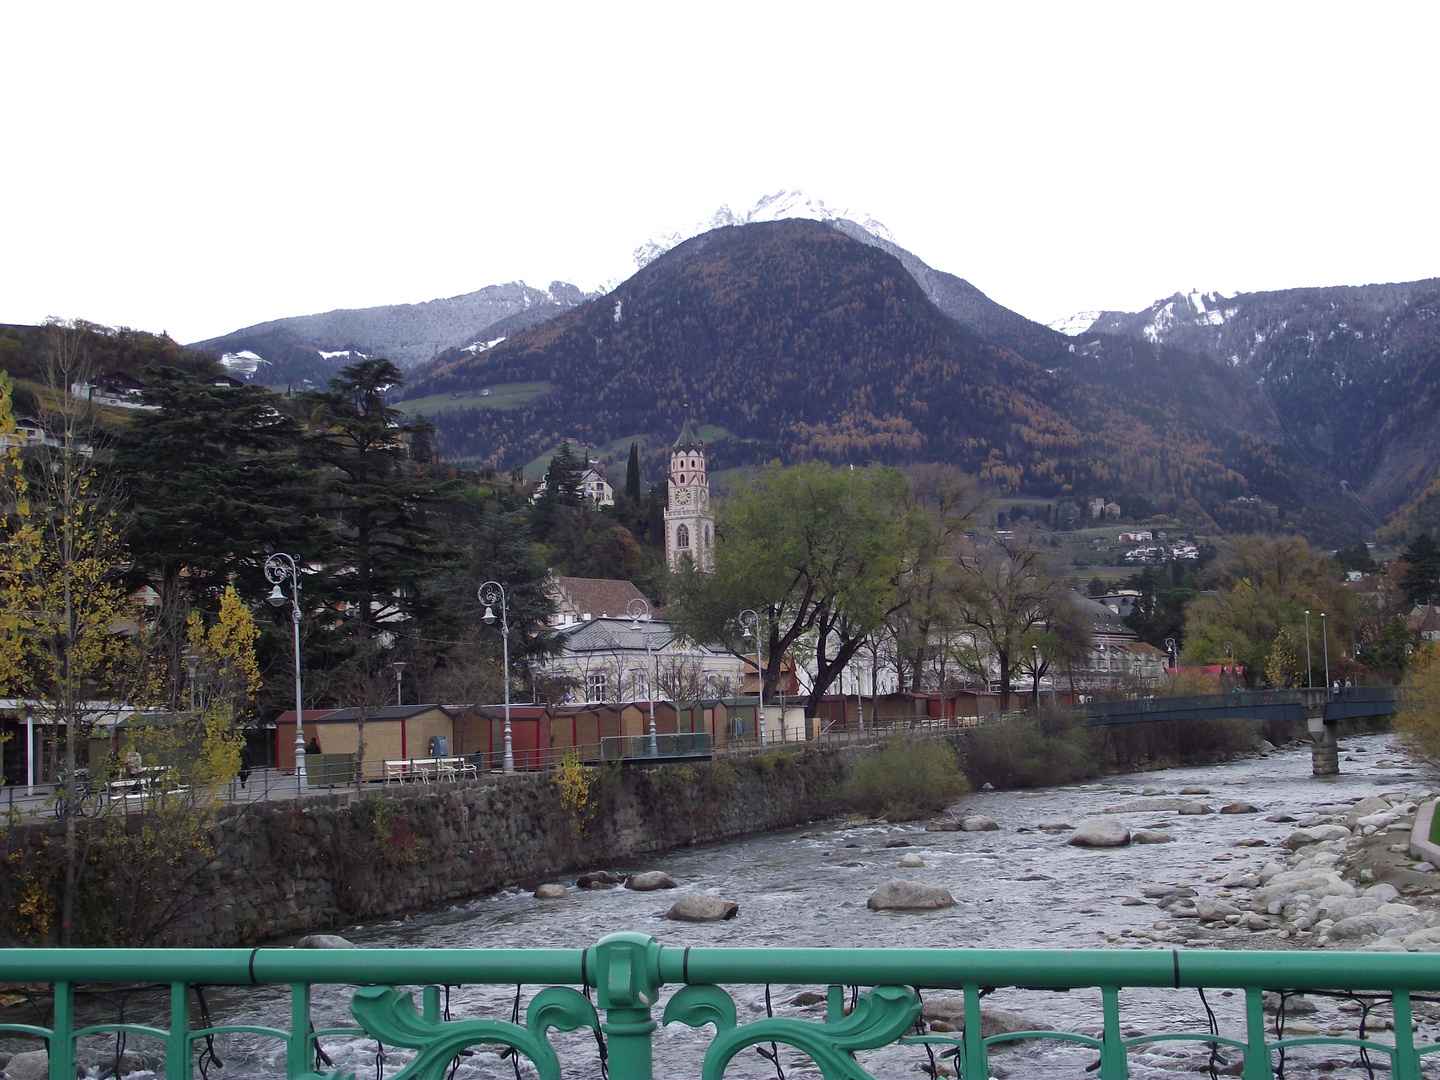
(687, 439)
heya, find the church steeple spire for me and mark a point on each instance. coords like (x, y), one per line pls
(687, 439)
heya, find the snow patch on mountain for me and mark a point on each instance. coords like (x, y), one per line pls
(781, 206)
(243, 363)
(1075, 325)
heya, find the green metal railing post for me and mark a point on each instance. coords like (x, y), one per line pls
(297, 1047)
(1113, 1063)
(62, 1042)
(627, 985)
(834, 1004)
(429, 1004)
(1407, 1062)
(177, 1046)
(1257, 1054)
(977, 1059)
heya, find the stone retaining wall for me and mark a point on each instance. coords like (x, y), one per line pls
(293, 868)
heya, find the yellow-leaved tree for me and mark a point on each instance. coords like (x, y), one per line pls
(71, 643)
(228, 680)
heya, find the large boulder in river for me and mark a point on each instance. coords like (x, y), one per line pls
(901, 895)
(31, 1065)
(1151, 836)
(324, 941)
(978, 823)
(910, 860)
(598, 879)
(1317, 835)
(697, 907)
(651, 880)
(1241, 807)
(1100, 832)
(551, 891)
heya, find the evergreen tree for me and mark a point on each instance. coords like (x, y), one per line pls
(422, 450)
(632, 475)
(1421, 580)
(381, 549)
(562, 478)
(214, 486)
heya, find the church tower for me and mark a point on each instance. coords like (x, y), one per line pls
(689, 525)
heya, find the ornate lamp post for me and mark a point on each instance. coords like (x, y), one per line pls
(281, 567)
(1035, 674)
(637, 607)
(1325, 638)
(759, 671)
(399, 666)
(488, 594)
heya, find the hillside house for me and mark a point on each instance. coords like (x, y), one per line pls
(580, 599)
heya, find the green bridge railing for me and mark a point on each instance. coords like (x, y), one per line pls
(627, 971)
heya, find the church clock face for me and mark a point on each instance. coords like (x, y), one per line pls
(682, 496)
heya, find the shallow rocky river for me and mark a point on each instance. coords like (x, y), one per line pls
(1018, 885)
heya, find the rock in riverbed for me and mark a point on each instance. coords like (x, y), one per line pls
(324, 941)
(551, 891)
(1100, 832)
(697, 907)
(901, 895)
(651, 880)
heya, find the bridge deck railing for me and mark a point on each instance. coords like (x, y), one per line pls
(628, 971)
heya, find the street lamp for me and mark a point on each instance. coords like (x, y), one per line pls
(399, 666)
(637, 607)
(281, 567)
(489, 594)
(1309, 678)
(1325, 640)
(1035, 678)
(1171, 650)
(759, 672)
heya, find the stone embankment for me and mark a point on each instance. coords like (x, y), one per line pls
(299, 868)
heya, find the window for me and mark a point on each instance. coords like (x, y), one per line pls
(595, 687)
(682, 536)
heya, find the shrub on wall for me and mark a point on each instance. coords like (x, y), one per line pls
(905, 779)
(1022, 752)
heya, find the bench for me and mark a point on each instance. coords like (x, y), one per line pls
(428, 768)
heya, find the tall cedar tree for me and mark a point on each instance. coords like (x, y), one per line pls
(381, 550)
(632, 475)
(214, 486)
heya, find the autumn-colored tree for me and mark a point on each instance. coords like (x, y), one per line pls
(1260, 586)
(1418, 718)
(72, 644)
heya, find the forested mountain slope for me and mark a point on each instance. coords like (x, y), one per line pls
(1349, 373)
(802, 342)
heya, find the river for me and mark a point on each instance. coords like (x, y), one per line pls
(1014, 887)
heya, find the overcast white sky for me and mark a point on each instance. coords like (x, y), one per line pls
(195, 168)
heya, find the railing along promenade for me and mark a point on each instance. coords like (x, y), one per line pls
(628, 971)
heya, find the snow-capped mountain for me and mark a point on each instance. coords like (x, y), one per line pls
(306, 349)
(778, 207)
(1156, 322)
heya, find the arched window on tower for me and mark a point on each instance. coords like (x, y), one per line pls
(682, 536)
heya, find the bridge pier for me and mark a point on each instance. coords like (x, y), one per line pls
(1324, 742)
